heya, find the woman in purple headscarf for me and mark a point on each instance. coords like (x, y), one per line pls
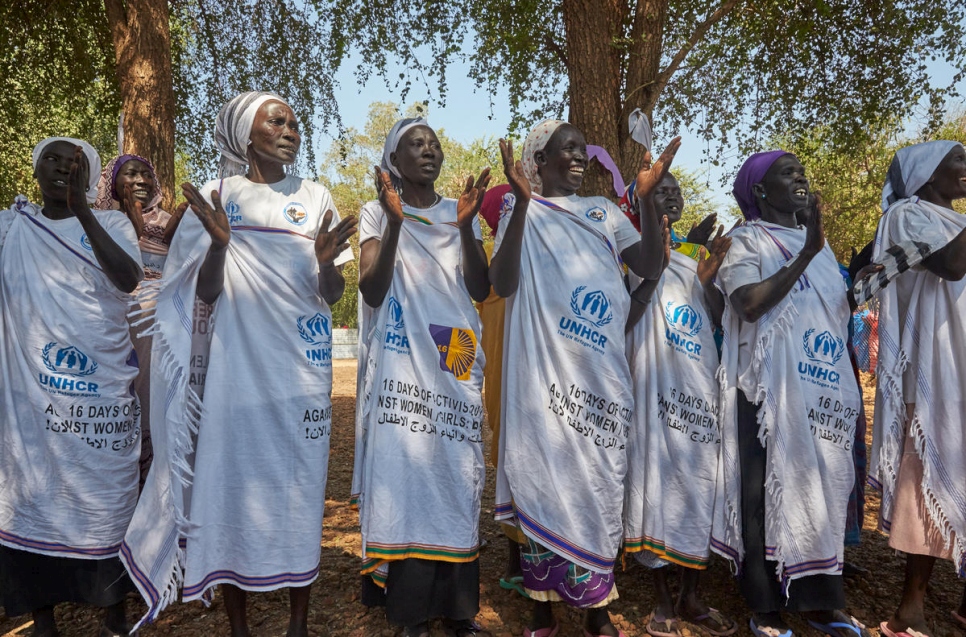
(788, 405)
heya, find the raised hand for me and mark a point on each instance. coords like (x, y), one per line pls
(468, 205)
(330, 242)
(701, 233)
(213, 218)
(651, 175)
(814, 228)
(514, 172)
(77, 183)
(132, 208)
(712, 257)
(388, 197)
(174, 222)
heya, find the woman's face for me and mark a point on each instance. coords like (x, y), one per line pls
(419, 156)
(562, 162)
(53, 170)
(138, 176)
(275, 134)
(784, 187)
(668, 200)
(949, 178)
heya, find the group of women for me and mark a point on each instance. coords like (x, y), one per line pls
(669, 396)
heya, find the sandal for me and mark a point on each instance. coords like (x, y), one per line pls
(832, 628)
(768, 631)
(723, 626)
(661, 626)
(514, 583)
(908, 632)
(461, 628)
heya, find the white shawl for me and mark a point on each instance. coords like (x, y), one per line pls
(260, 455)
(674, 442)
(70, 432)
(567, 397)
(793, 363)
(922, 339)
(421, 473)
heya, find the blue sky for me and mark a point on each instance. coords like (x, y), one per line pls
(468, 115)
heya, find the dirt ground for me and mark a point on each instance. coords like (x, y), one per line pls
(336, 611)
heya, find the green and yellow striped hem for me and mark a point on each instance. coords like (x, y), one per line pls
(636, 545)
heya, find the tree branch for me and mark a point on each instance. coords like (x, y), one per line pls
(556, 48)
(699, 32)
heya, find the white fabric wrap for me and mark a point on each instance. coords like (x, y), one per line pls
(911, 168)
(567, 398)
(71, 437)
(422, 463)
(793, 363)
(921, 343)
(233, 129)
(253, 514)
(674, 442)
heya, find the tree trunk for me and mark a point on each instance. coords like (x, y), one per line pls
(607, 83)
(142, 51)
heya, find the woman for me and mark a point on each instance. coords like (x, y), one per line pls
(567, 396)
(918, 456)
(420, 463)
(265, 249)
(69, 434)
(128, 183)
(788, 406)
(674, 444)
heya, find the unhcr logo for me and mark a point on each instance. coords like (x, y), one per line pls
(825, 348)
(68, 360)
(592, 307)
(315, 330)
(683, 318)
(395, 320)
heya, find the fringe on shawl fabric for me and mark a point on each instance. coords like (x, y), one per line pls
(180, 441)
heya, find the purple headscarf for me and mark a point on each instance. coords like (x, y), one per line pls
(751, 173)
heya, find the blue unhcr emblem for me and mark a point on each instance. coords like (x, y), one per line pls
(824, 348)
(315, 330)
(683, 318)
(68, 360)
(592, 307)
(395, 314)
(233, 212)
(597, 214)
(86, 243)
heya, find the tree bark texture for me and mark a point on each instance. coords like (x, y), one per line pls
(142, 49)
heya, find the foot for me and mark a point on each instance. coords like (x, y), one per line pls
(598, 623)
(461, 628)
(770, 624)
(828, 617)
(44, 623)
(661, 625)
(419, 630)
(902, 621)
(696, 612)
(115, 622)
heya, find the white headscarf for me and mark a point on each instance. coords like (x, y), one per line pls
(92, 158)
(537, 140)
(233, 129)
(911, 168)
(392, 143)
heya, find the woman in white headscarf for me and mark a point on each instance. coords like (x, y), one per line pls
(419, 443)
(567, 396)
(265, 248)
(69, 426)
(919, 453)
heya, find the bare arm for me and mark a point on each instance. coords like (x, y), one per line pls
(752, 301)
(708, 270)
(949, 261)
(329, 244)
(211, 276)
(645, 259)
(121, 270)
(504, 271)
(643, 295)
(377, 259)
(475, 269)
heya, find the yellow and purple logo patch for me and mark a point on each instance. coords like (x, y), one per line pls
(457, 349)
